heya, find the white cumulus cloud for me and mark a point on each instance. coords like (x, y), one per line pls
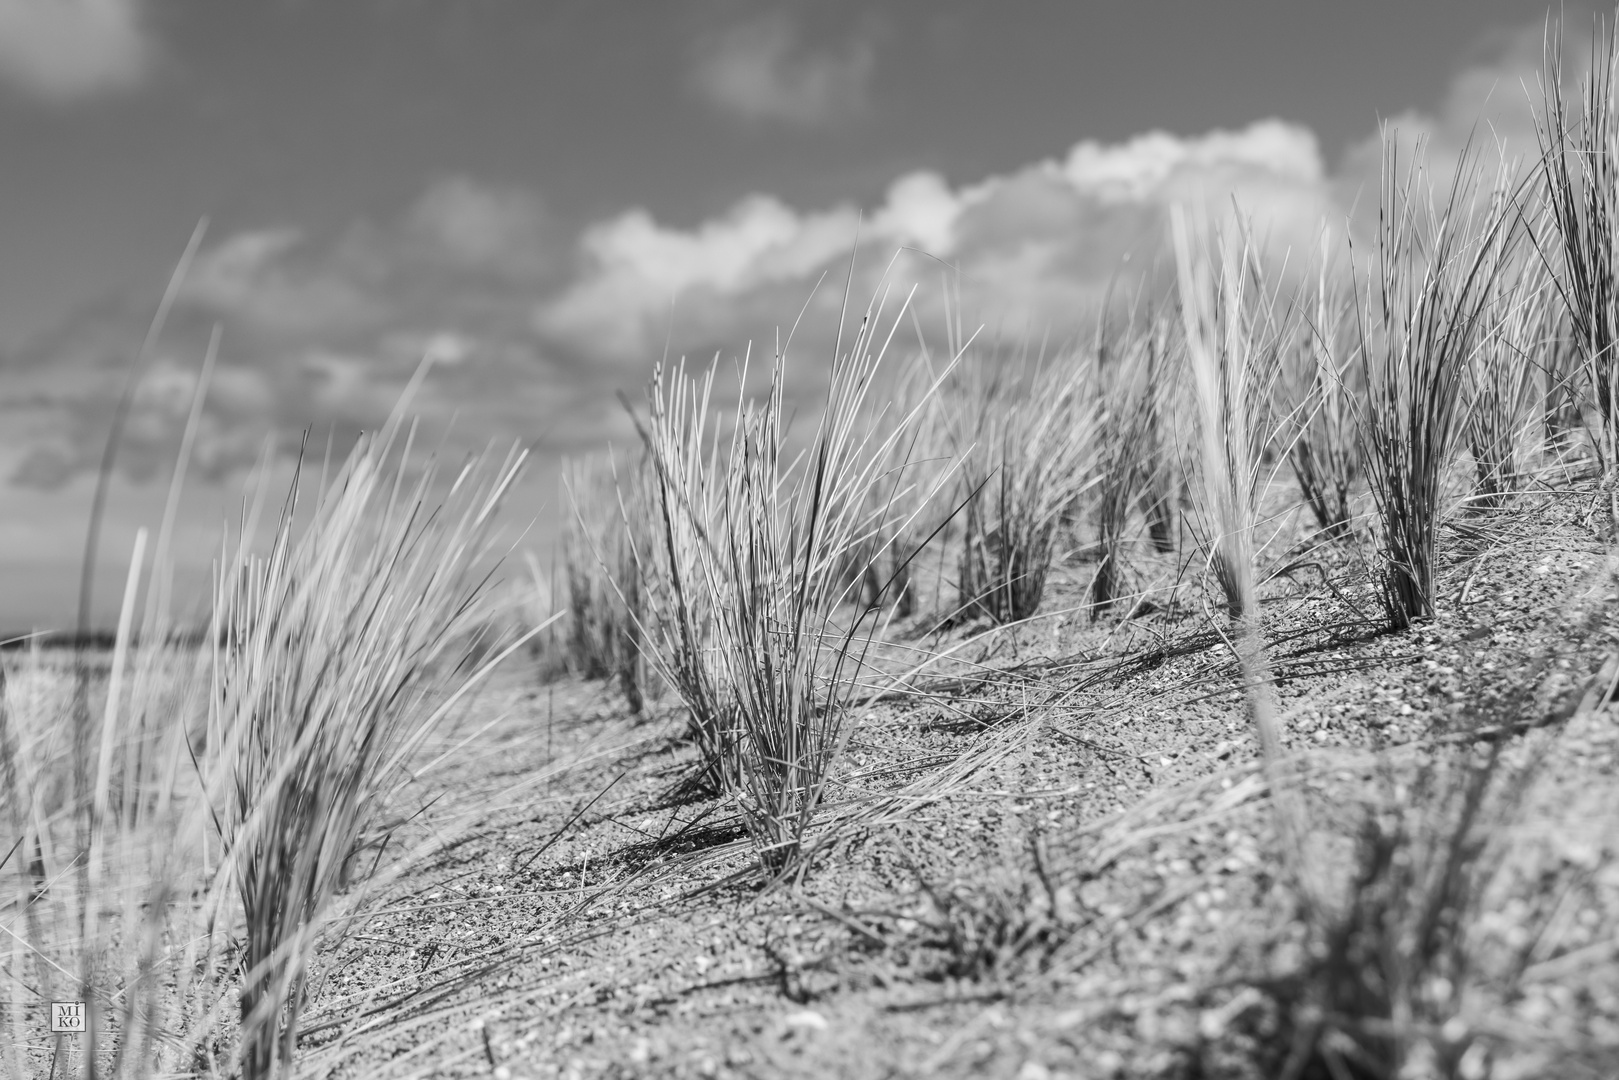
(1034, 244)
(479, 226)
(65, 50)
(1146, 166)
(637, 269)
(760, 70)
(255, 278)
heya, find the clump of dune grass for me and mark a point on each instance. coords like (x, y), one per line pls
(1129, 459)
(1504, 400)
(1561, 374)
(876, 573)
(878, 569)
(334, 655)
(1003, 923)
(1422, 316)
(742, 626)
(225, 787)
(1323, 451)
(1162, 485)
(602, 630)
(1389, 960)
(1579, 170)
(883, 569)
(1026, 429)
(1441, 922)
(537, 596)
(677, 619)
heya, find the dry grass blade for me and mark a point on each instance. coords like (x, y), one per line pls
(1234, 335)
(1232, 351)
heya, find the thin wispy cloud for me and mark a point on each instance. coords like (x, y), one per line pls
(762, 70)
(62, 51)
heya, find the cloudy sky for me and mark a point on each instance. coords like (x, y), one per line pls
(544, 196)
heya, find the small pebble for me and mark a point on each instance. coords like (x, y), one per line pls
(807, 1020)
(1109, 1063)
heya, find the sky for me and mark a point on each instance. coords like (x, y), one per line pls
(545, 198)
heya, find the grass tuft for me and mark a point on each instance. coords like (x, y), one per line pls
(1323, 453)
(1005, 924)
(1579, 170)
(602, 631)
(334, 657)
(1504, 404)
(1027, 433)
(1132, 465)
(1421, 320)
(743, 590)
(1402, 969)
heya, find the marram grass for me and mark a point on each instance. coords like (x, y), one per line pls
(743, 588)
